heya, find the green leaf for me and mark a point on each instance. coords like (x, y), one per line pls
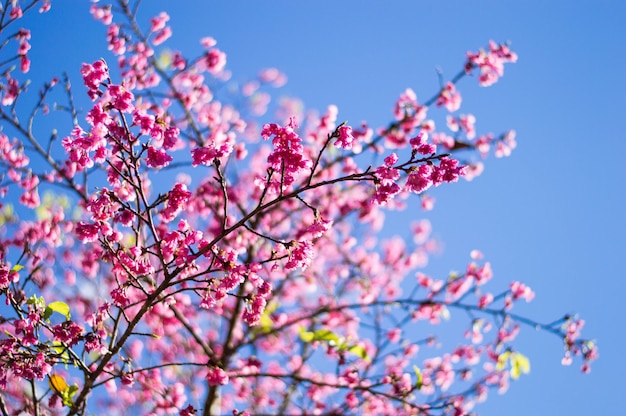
(359, 351)
(266, 323)
(325, 335)
(61, 352)
(71, 392)
(6, 215)
(319, 335)
(306, 336)
(39, 302)
(58, 307)
(420, 379)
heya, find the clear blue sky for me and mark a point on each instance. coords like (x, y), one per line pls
(552, 215)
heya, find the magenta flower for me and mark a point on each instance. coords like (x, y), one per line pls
(176, 201)
(121, 98)
(157, 158)
(215, 61)
(449, 97)
(490, 63)
(288, 157)
(93, 76)
(345, 138)
(217, 377)
(300, 255)
(68, 332)
(86, 232)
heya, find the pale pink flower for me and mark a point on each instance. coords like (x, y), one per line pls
(449, 97)
(300, 255)
(485, 300)
(217, 377)
(520, 290)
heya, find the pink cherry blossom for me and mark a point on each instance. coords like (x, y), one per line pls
(93, 76)
(449, 98)
(157, 158)
(345, 138)
(520, 290)
(183, 265)
(217, 377)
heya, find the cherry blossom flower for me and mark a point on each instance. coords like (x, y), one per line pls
(449, 98)
(68, 332)
(217, 377)
(345, 138)
(93, 76)
(158, 158)
(247, 274)
(520, 290)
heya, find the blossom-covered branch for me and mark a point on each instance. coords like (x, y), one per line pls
(181, 250)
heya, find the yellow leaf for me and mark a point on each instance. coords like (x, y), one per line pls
(164, 59)
(305, 335)
(60, 307)
(502, 358)
(359, 351)
(420, 379)
(265, 323)
(57, 384)
(519, 364)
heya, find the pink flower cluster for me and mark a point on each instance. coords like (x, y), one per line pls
(158, 26)
(449, 97)
(407, 106)
(465, 123)
(176, 201)
(300, 255)
(575, 347)
(11, 90)
(263, 278)
(79, 146)
(419, 178)
(23, 35)
(420, 145)
(217, 376)
(490, 63)
(94, 75)
(257, 304)
(68, 332)
(208, 154)
(157, 158)
(386, 186)
(345, 138)
(287, 158)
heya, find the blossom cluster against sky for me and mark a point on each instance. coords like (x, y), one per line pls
(553, 214)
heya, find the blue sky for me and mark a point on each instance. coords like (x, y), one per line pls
(552, 215)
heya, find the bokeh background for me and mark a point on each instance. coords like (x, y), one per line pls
(552, 215)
